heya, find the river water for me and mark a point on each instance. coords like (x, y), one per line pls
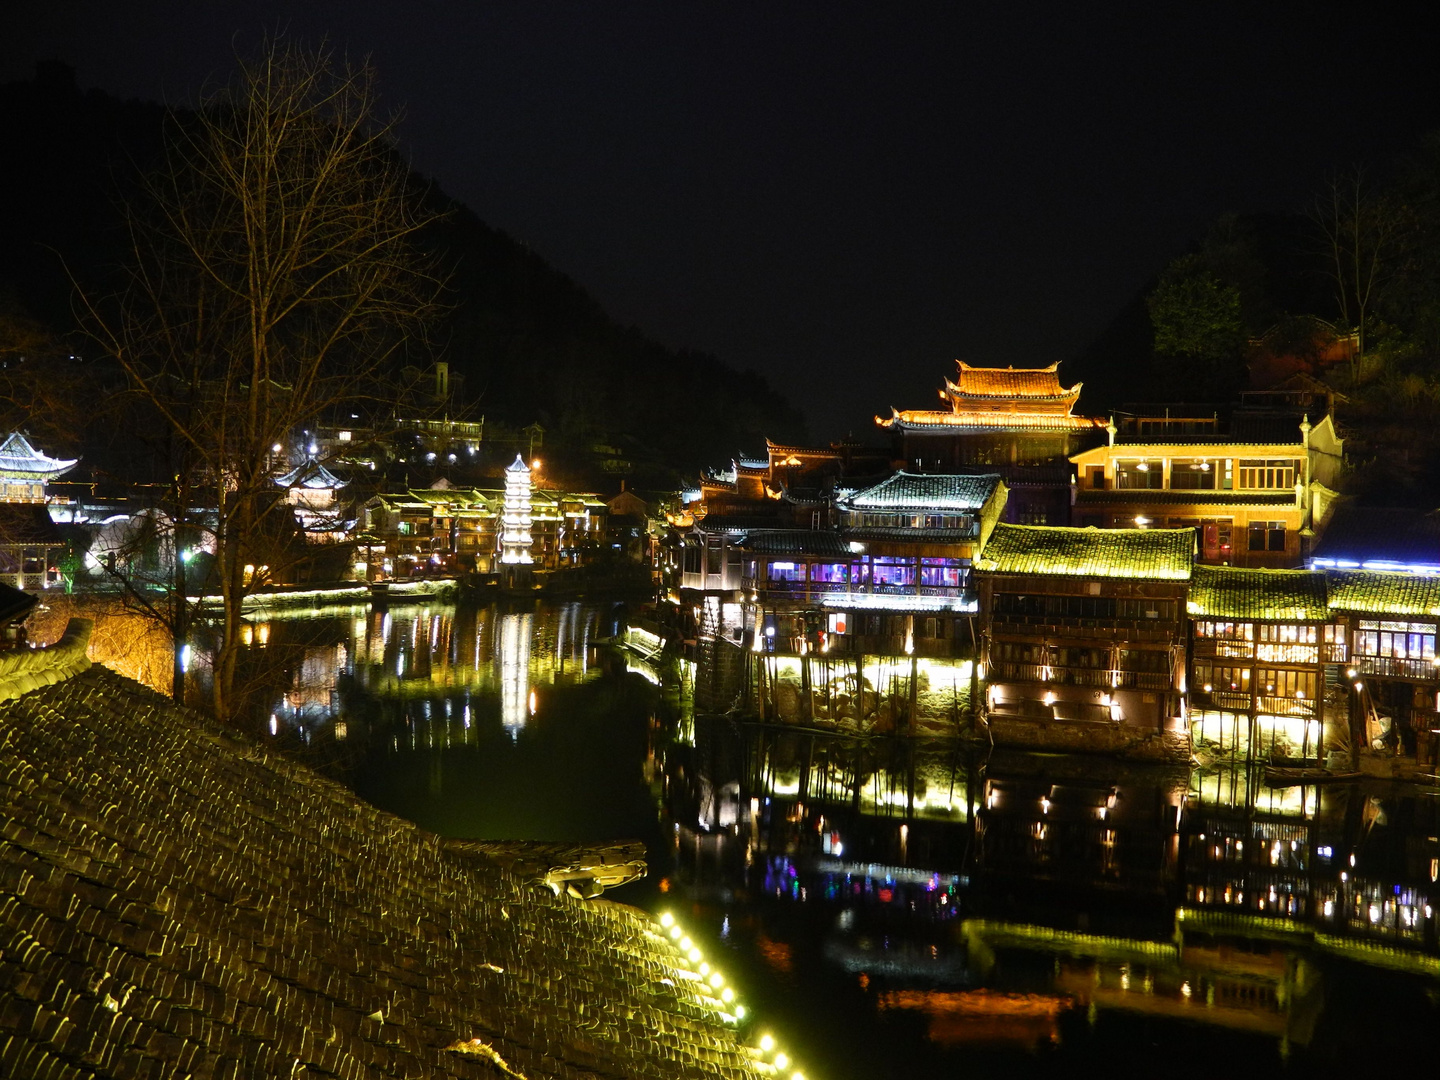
(892, 908)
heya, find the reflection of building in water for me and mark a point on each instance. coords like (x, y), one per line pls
(512, 658)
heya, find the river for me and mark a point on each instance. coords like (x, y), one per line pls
(894, 908)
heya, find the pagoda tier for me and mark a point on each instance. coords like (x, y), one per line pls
(988, 398)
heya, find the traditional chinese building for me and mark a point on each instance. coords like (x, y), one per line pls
(1018, 422)
(31, 547)
(1252, 501)
(1083, 635)
(1262, 640)
(313, 493)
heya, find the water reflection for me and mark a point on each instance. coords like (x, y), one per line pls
(1010, 902)
(900, 906)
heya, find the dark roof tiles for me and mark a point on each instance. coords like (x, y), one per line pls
(922, 492)
(1103, 553)
(1223, 592)
(181, 900)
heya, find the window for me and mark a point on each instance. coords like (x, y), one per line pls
(947, 573)
(785, 571)
(1097, 477)
(1403, 641)
(1140, 474)
(830, 573)
(1192, 475)
(1267, 473)
(1267, 536)
(893, 572)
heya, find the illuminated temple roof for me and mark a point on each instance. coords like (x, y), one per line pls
(21, 461)
(1108, 553)
(310, 474)
(181, 900)
(1223, 592)
(926, 492)
(1030, 398)
(1383, 592)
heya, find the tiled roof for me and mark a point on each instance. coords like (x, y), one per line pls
(922, 419)
(1222, 592)
(1367, 534)
(1111, 553)
(310, 474)
(730, 523)
(1010, 382)
(178, 900)
(1383, 592)
(1168, 496)
(794, 542)
(904, 533)
(920, 492)
(20, 460)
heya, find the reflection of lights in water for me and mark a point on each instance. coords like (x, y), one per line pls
(514, 660)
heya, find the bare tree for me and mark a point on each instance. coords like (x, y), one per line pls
(274, 277)
(1364, 233)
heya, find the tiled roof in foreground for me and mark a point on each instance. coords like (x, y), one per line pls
(1223, 592)
(178, 901)
(1109, 553)
(1384, 592)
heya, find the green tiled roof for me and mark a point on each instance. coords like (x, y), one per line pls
(926, 491)
(1111, 553)
(1222, 592)
(1384, 592)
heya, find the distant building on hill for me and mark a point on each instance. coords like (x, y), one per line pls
(31, 547)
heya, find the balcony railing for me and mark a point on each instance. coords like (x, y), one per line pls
(1105, 678)
(1396, 667)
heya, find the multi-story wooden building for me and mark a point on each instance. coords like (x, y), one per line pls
(1085, 626)
(31, 547)
(1251, 503)
(1018, 422)
(1261, 642)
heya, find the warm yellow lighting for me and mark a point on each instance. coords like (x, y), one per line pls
(727, 995)
(535, 465)
(686, 944)
(694, 955)
(767, 1042)
(704, 969)
(715, 979)
(781, 1060)
(667, 919)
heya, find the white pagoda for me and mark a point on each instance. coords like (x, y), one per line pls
(515, 518)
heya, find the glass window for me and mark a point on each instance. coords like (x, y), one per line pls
(785, 571)
(1193, 475)
(1267, 473)
(1147, 473)
(830, 573)
(892, 571)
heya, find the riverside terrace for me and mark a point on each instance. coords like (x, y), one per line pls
(176, 901)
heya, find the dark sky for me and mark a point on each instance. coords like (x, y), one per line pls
(844, 196)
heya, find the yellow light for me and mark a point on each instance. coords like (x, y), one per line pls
(727, 995)
(686, 944)
(767, 1043)
(797, 1075)
(716, 979)
(739, 1012)
(781, 1060)
(667, 919)
(674, 932)
(704, 969)
(694, 955)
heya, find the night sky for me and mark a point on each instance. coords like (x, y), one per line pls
(840, 196)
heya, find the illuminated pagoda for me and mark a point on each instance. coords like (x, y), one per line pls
(1019, 422)
(30, 545)
(515, 524)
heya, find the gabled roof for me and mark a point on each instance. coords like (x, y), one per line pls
(14, 604)
(21, 461)
(1363, 536)
(1380, 592)
(310, 474)
(1165, 554)
(922, 492)
(934, 419)
(1223, 592)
